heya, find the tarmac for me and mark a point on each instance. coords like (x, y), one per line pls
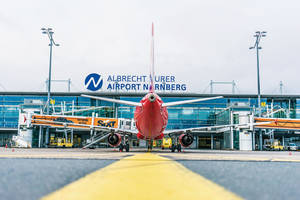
(138, 174)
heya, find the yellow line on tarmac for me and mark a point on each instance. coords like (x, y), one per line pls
(143, 176)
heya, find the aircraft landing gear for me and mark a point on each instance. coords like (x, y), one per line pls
(173, 147)
(179, 147)
(125, 145)
(150, 145)
(176, 147)
(121, 147)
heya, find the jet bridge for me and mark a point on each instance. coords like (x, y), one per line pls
(95, 125)
(277, 123)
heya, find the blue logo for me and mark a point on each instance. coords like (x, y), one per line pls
(93, 82)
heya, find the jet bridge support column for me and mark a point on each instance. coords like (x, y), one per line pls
(92, 125)
(212, 141)
(253, 141)
(260, 140)
(66, 135)
(72, 136)
(40, 136)
(231, 130)
(47, 137)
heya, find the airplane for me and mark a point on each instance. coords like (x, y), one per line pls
(151, 115)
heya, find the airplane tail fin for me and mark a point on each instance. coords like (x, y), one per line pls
(151, 88)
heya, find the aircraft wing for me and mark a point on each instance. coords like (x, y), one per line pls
(175, 103)
(130, 103)
(209, 128)
(85, 126)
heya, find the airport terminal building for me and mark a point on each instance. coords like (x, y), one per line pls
(229, 110)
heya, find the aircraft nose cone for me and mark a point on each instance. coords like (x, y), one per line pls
(151, 97)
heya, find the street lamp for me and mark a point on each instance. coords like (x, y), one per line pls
(49, 33)
(258, 35)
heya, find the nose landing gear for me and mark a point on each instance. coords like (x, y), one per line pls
(150, 145)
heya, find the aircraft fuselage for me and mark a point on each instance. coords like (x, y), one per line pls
(151, 118)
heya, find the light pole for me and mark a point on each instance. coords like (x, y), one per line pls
(49, 33)
(258, 35)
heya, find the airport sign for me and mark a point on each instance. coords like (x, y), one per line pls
(95, 82)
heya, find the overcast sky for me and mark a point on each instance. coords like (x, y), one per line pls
(196, 41)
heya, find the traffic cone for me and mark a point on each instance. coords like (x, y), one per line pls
(5, 146)
(13, 150)
(290, 153)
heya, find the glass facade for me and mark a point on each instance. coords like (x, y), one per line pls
(204, 113)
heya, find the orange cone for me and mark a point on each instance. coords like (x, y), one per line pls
(13, 150)
(5, 146)
(290, 153)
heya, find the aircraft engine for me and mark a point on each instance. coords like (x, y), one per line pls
(186, 140)
(114, 139)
